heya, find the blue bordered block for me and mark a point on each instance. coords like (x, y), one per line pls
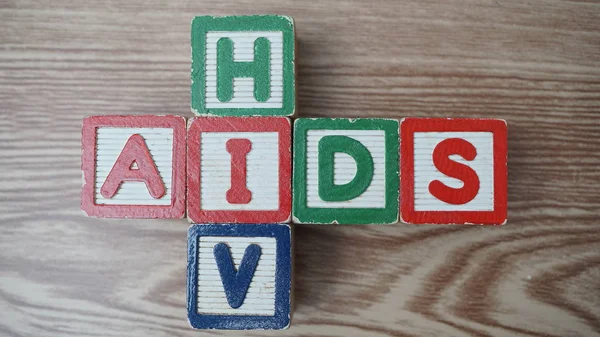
(239, 276)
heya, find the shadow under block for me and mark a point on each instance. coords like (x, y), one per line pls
(133, 166)
(454, 171)
(239, 170)
(345, 171)
(243, 66)
(239, 277)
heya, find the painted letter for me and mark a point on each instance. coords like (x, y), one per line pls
(236, 283)
(328, 190)
(238, 193)
(135, 152)
(441, 160)
(259, 69)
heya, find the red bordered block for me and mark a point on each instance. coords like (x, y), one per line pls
(133, 166)
(239, 170)
(453, 171)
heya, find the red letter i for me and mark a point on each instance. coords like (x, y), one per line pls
(238, 193)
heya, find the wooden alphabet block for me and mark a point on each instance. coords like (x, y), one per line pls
(243, 66)
(239, 276)
(454, 171)
(133, 166)
(239, 170)
(345, 171)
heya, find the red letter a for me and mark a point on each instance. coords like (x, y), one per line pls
(134, 151)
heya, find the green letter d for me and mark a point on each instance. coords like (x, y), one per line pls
(328, 190)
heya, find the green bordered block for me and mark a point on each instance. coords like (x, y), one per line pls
(345, 171)
(243, 66)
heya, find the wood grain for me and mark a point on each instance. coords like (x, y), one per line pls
(535, 63)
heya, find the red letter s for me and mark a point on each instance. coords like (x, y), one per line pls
(441, 160)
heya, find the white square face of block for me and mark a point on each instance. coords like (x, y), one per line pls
(344, 169)
(260, 298)
(243, 51)
(262, 170)
(426, 172)
(110, 141)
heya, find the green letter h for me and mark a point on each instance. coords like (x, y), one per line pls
(259, 69)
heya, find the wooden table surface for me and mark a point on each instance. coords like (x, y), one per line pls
(535, 63)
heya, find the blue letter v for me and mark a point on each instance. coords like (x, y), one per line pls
(236, 283)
